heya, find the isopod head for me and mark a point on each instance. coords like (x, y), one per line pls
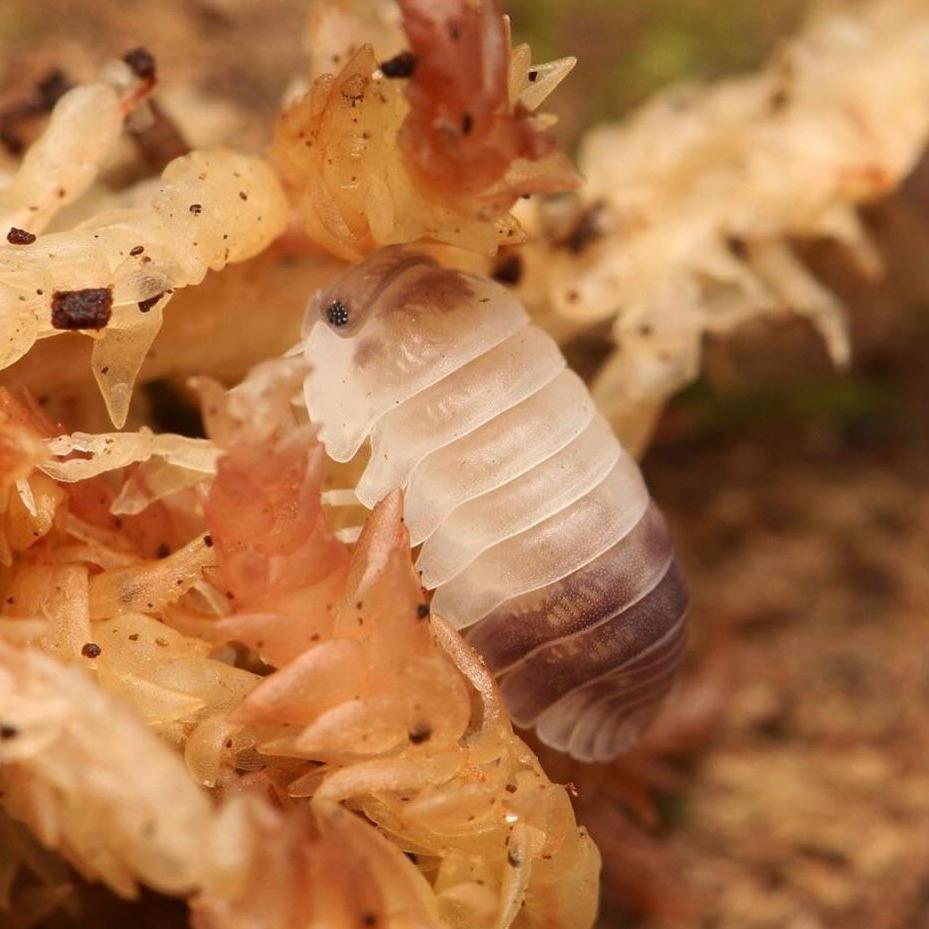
(389, 328)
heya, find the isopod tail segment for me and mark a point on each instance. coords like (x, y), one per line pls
(537, 532)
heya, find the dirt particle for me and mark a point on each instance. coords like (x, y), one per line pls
(402, 65)
(82, 309)
(419, 734)
(19, 236)
(142, 63)
(146, 305)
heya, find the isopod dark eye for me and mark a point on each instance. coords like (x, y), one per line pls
(337, 314)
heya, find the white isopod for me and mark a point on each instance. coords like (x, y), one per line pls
(537, 531)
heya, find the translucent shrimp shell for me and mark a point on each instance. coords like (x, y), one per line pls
(537, 531)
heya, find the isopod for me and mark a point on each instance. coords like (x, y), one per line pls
(536, 529)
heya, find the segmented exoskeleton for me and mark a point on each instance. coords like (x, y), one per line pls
(537, 531)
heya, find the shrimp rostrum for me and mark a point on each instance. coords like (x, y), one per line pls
(537, 532)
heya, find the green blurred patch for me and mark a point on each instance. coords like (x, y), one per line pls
(628, 49)
(672, 810)
(857, 403)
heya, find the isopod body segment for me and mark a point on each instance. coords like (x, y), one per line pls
(537, 532)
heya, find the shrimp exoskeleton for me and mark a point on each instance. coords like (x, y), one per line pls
(537, 531)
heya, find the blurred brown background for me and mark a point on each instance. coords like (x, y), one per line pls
(799, 495)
